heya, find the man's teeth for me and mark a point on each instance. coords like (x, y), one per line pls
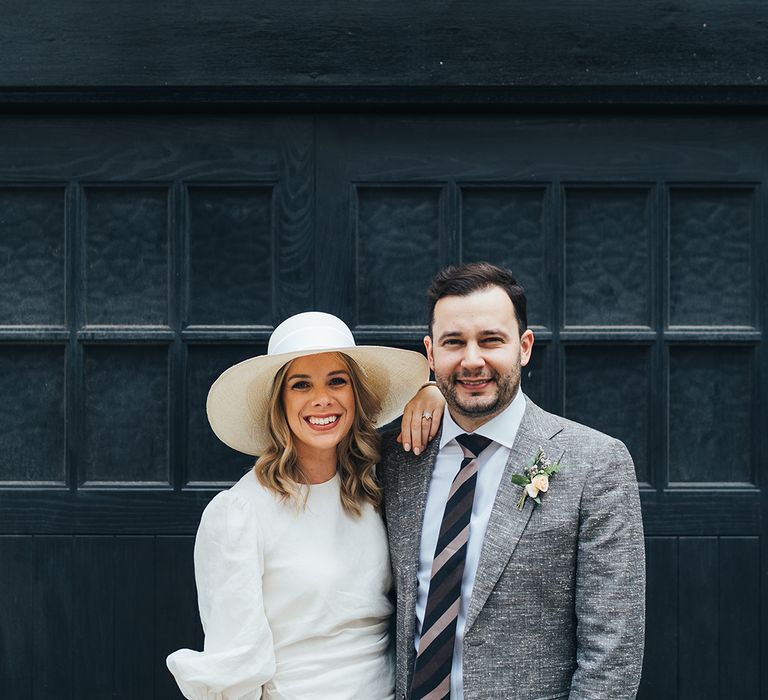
(323, 421)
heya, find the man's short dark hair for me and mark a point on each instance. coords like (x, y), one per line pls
(465, 279)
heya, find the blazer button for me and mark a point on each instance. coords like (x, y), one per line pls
(476, 641)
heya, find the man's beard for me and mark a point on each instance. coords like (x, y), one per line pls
(506, 388)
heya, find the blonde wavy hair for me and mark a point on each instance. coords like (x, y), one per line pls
(278, 469)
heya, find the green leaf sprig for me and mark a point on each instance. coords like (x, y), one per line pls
(535, 477)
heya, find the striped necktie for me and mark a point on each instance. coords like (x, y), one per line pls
(432, 672)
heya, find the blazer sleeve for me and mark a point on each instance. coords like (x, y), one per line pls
(610, 581)
(238, 656)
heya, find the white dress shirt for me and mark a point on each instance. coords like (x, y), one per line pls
(502, 429)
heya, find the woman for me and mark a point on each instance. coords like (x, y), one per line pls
(291, 563)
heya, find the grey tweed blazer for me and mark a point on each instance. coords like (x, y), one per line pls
(558, 605)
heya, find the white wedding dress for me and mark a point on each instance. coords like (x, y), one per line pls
(293, 601)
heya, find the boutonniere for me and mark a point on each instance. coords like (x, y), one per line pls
(535, 477)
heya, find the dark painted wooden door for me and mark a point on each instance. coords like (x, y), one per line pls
(141, 256)
(138, 259)
(642, 244)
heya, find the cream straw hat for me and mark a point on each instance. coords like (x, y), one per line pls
(238, 401)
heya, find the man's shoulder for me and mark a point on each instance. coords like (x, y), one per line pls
(389, 443)
(392, 453)
(577, 435)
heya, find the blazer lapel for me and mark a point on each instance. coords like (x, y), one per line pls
(507, 523)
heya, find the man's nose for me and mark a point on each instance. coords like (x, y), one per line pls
(473, 357)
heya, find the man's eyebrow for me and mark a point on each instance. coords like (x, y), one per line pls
(450, 334)
(484, 333)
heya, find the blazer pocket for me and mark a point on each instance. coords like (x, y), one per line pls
(556, 696)
(554, 531)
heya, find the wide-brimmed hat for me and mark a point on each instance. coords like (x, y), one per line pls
(238, 402)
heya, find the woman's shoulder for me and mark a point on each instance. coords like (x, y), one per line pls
(237, 511)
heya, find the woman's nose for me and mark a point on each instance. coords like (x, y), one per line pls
(321, 397)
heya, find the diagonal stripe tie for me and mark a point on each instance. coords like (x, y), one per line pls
(432, 672)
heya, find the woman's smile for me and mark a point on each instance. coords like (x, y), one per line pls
(325, 422)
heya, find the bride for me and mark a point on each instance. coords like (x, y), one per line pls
(291, 563)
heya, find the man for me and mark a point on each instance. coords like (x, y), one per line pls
(500, 596)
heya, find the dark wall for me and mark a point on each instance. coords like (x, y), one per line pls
(140, 256)
(177, 177)
(489, 52)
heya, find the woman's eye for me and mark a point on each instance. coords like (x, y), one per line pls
(338, 381)
(300, 385)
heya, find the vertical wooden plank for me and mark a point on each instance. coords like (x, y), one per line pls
(93, 617)
(199, 634)
(134, 617)
(176, 605)
(698, 618)
(739, 618)
(52, 619)
(659, 680)
(16, 641)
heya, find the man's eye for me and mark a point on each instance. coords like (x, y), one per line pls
(452, 341)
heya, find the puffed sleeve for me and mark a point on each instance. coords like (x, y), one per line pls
(238, 656)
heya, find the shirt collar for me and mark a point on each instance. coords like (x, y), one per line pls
(501, 428)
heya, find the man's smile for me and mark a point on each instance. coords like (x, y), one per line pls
(474, 383)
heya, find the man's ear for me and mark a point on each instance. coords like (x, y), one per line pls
(428, 346)
(526, 347)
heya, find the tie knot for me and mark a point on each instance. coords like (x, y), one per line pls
(474, 443)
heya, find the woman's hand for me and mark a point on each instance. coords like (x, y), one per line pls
(421, 418)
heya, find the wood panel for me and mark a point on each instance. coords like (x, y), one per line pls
(93, 605)
(103, 612)
(52, 617)
(118, 239)
(643, 255)
(166, 247)
(740, 600)
(660, 665)
(175, 605)
(698, 617)
(94, 617)
(309, 46)
(16, 616)
(135, 617)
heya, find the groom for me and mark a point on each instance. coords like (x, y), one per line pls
(509, 590)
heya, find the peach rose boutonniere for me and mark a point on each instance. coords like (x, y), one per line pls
(535, 477)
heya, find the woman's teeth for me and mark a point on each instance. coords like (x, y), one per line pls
(322, 421)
